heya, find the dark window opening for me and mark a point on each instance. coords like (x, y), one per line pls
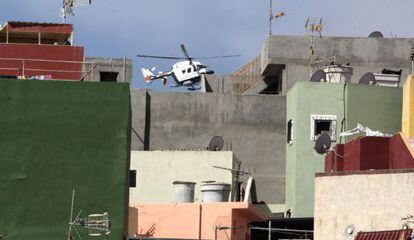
(273, 85)
(289, 131)
(188, 70)
(323, 126)
(132, 178)
(109, 76)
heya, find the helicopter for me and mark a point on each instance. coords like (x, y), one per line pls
(186, 73)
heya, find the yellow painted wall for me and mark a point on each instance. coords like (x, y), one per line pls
(408, 107)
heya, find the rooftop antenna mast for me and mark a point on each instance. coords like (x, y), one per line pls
(313, 28)
(271, 16)
(67, 7)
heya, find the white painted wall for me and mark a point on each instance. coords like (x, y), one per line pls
(157, 170)
(369, 202)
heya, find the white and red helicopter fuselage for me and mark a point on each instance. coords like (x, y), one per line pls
(184, 73)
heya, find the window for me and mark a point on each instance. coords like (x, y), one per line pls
(108, 76)
(323, 124)
(188, 70)
(289, 137)
(132, 178)
(184, 71)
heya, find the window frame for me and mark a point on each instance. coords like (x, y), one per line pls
(316, 117)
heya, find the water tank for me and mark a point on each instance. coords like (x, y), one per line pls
(183, 192)
(337, 73)
(215, 192)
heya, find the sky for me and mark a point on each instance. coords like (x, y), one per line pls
(114, 28)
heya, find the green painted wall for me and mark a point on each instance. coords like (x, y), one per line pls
(376, 107)
(59, 136)
(379, 108)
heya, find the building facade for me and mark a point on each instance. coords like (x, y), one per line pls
(316, 108)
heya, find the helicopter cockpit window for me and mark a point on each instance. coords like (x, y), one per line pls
(183, 71)
(201, 67)
(188, 70)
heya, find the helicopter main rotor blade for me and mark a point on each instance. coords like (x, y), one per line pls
(185, 52)
(160, 57)
(224, 56)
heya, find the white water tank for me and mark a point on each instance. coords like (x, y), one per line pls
(337, 73)
(215, 192)
(183, 192)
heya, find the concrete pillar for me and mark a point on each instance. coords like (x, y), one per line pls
(408, 108)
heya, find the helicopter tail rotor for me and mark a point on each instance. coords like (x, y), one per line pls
(148, 74)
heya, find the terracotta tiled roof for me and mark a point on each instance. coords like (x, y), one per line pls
(385, 235)
(34, 24)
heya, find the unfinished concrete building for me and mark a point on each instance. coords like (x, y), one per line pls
(107, 69)
(285, 60)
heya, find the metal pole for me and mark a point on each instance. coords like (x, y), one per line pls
(270, 230)
(24, 75)
(124, 67)
(270, 18)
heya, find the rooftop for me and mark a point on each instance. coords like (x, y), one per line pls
(385, 235)
(35, 32)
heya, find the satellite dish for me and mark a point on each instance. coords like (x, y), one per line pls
(376, 34)
(368, 78)
(323, 143)
(216, 144)
(318, 76)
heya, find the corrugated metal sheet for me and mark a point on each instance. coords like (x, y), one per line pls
(385, 235)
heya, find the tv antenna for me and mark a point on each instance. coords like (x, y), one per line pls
(67, 7)
(237, 174)
(313, 28)
(272, 17)
(96, 224)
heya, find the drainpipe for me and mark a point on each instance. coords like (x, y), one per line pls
(200, 211)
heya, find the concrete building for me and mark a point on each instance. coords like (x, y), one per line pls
(157, 170)
(315, 108)
(39, 50)
(107, 69)
(253, 128)
(219, 221)
(364, 54)
(45, 51)
(349, 202)
(284, 60)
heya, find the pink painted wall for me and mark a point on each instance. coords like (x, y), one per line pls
(193, 220)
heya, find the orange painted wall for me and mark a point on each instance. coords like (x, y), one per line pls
(193, 220)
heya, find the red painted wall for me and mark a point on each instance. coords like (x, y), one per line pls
(56, 68)
(370, 153)
(400, 156)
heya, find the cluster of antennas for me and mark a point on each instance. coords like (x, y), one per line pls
(67, 7)
(314, 25)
